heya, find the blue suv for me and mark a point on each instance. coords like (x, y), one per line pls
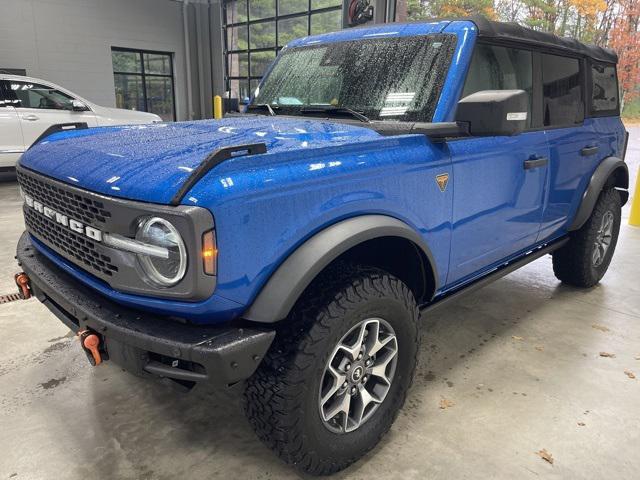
(376, 174)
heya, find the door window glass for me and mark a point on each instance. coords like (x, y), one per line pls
(562, 91)
(604, 88)
(500, 68)
(34, 95)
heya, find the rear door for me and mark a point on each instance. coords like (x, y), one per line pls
(499, 182)
(40, 106)
(11, 142)
(575, 149)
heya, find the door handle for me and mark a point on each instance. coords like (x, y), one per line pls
(31, 118)
(589, 150)
(535, 162)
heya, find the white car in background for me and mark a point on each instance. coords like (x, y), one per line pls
(29, 106)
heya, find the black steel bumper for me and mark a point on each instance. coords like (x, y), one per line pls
(142, 343)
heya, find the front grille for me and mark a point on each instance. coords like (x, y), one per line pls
(79, 207)
(59, 203)
(70, 244)
(75, 247)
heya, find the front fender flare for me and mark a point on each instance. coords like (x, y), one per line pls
(288, 282)
(608, 167)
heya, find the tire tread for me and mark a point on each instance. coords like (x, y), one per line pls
(278, 385)
(572, 262)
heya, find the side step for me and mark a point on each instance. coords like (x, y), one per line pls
(506, 269)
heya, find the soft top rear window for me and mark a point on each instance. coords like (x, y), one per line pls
(604, 89)
(382, 78)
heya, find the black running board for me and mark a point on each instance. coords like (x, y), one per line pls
(506, 269)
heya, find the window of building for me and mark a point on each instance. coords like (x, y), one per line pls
(562, 91)
(500, 68)
(13, 71)
(604, 89)
(144, 81)
(257, 29)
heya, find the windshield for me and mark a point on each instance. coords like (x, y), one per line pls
(384, 79)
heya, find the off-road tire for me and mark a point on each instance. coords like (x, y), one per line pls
(281, 398)
(573, 263)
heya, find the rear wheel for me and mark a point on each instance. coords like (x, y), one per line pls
(338, 372)
(584, 260)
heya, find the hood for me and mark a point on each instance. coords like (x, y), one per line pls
(151, 162)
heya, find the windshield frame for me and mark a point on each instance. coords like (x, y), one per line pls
(442, 64)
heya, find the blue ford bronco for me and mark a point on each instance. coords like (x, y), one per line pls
(377, 173)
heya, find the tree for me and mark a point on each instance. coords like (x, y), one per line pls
(625, 40)
(421, 9)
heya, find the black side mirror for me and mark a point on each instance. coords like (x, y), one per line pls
(495, 112)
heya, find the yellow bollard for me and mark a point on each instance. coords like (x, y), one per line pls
(217, 107)
(634, 218)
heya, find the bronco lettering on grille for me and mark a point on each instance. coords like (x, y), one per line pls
(61, 219)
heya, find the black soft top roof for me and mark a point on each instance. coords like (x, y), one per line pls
(513, 32)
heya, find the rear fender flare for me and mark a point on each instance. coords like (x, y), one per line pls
(278, 296)
(611, 170)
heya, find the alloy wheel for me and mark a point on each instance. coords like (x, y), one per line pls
(603, 239)
(358, 375)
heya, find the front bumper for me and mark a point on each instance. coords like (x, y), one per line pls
(143, 343)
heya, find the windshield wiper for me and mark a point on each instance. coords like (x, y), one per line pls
(335, 109)
(263, 106)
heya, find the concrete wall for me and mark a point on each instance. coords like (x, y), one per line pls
(69, 41)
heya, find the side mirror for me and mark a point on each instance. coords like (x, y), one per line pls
(78, 106)
(495, 112)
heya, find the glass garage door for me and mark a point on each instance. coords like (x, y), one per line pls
(256, 29)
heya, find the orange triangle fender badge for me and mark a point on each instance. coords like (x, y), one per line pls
(442, 180)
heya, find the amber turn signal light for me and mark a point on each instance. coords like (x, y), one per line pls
(209, 253)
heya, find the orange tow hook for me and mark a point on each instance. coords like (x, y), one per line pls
(91, 344)
(22, 281)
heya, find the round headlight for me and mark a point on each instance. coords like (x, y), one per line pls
(162, 270)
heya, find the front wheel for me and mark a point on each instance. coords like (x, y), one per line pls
(584, 260)
(338, 372)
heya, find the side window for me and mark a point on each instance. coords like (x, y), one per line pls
(499, 68)
(562, 91)
(604, 89)
(33, 95)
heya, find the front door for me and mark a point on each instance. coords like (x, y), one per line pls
(499, 187)
(41, 106)
(499, 182)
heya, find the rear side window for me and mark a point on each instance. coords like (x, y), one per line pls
(499, 68)
(604, 89)
(562, 90)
